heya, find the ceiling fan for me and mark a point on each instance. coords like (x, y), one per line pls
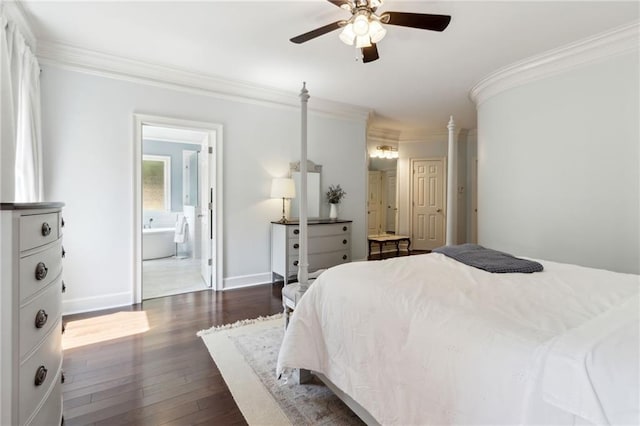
(364, 29)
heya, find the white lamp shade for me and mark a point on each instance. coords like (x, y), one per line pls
(361, 25)
(283, 188)
(363, 41)
(347, 35)
(376, 31)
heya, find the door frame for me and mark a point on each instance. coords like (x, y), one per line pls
(215, 132)
(444, 188)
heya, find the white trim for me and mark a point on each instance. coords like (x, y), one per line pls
(166, 161)
(247, 280)
(215, 141)
(618, 41)
(96, 303)
(111, 66)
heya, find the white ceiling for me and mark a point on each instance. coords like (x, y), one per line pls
(421, 78)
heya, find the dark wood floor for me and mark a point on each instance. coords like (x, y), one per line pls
(164, 376)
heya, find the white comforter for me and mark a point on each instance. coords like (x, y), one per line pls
(427, 340)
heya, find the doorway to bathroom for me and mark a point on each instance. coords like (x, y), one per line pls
(178, 206)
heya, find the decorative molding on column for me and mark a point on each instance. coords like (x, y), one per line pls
(621, 40)
(452, 174)
(303, 264)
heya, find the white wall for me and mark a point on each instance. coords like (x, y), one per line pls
(88, 151)
(558, 167)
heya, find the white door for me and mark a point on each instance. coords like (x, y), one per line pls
(390, 200)
(374, 203)
(428, 204)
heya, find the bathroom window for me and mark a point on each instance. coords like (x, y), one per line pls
(156, 182)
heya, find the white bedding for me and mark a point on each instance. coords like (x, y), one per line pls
(427, 340)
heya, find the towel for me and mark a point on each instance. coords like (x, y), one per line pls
(181, 230)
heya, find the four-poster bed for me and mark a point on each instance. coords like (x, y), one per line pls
(429, 340)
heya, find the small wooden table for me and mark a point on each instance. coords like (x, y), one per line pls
(389, 238)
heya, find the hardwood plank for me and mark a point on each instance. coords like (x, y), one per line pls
(164, 375)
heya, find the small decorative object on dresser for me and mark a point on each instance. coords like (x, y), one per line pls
(329, 244)
(334, 195)
(31, 285)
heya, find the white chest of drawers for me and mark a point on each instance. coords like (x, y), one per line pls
(329, 244)
(31, 313)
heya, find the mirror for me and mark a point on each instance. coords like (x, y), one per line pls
(382, 206)
(313, 189)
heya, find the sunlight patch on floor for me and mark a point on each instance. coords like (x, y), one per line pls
(106, 327)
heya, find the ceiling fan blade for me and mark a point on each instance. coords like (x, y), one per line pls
(338, 3)
(370, 54)
(317, 32)
(423, 21)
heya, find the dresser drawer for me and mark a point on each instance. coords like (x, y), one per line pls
(38, 229)
(49, 357)
(39, 269)
(44, 310)
(50, 414)
(320, 230)
(321, 244)
(319, 261)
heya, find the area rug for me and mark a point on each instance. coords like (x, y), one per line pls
(246, 354)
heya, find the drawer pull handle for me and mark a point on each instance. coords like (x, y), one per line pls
(41, 376)
(296, 231)
(46, 229)
(344, 257)
(344, 228)
(344, 241)
(63, 252)
(296, 245)
(41, 318)
(295, 263)
(64, 327)
(64, 287)
(41, 271)
(62, 377)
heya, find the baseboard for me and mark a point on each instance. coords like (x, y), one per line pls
(246, 280)
(96, 303)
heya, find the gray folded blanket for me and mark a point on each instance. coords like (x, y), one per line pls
(488, 259)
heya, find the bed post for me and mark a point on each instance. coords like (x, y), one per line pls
(452, 184)
(303, 264)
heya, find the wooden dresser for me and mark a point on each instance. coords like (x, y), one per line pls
(31, 289)
(329, 244)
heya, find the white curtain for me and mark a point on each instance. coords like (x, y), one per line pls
(20, 119)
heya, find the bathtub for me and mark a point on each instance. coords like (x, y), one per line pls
(158, 243)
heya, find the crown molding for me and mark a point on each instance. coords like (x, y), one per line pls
(383, 135)
(431, 137)
(621, 40)
(132, 70)
(15, 13)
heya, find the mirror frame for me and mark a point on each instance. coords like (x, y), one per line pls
(312, 193)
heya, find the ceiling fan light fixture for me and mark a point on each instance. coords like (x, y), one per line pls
(363, 41)
(361, 25)
(385, 151)
(376, 31)
(347, 35)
